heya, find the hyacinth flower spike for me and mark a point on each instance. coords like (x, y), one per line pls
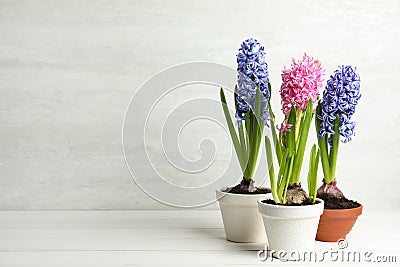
(299, 96)
(251, 102)
(334, 122)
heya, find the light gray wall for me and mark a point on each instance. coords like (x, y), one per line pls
(69, 68)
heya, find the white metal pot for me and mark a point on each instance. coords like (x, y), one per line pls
(290, 230)
(242, 221)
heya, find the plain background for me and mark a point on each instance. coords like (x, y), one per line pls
(69, 68)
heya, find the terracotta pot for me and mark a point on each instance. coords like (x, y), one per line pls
(240, 216)
(336, 224)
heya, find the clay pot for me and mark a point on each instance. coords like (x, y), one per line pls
(335, 224)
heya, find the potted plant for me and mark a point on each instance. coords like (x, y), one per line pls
(334, 120)
(238, 204)
(290, 215)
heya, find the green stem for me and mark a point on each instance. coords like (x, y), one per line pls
(291, 136)
(323, 147)
(303, 135)
(243, 142)
(334, 149)
(256, 129)
(299, 114)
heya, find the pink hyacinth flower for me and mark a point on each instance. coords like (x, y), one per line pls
(284, 128)
(300, 83)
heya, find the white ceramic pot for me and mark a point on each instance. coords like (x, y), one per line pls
(290, 230)
(242, 221)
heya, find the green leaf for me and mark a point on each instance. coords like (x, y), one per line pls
(311, 165)
(287, 175)
(275, 138)
(270, 162)
(277, 143)
(282, 179)
(232, 132)
(312, 173)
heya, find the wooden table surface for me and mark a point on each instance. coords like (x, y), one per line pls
(154, 238)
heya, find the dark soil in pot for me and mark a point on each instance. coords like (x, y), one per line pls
(335, 202)
(247, 187)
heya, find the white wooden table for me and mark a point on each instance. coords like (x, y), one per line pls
(154, 238)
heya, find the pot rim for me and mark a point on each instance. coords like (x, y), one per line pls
(238, 199)
(343, 213)
(320, 201)
(287, 212)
